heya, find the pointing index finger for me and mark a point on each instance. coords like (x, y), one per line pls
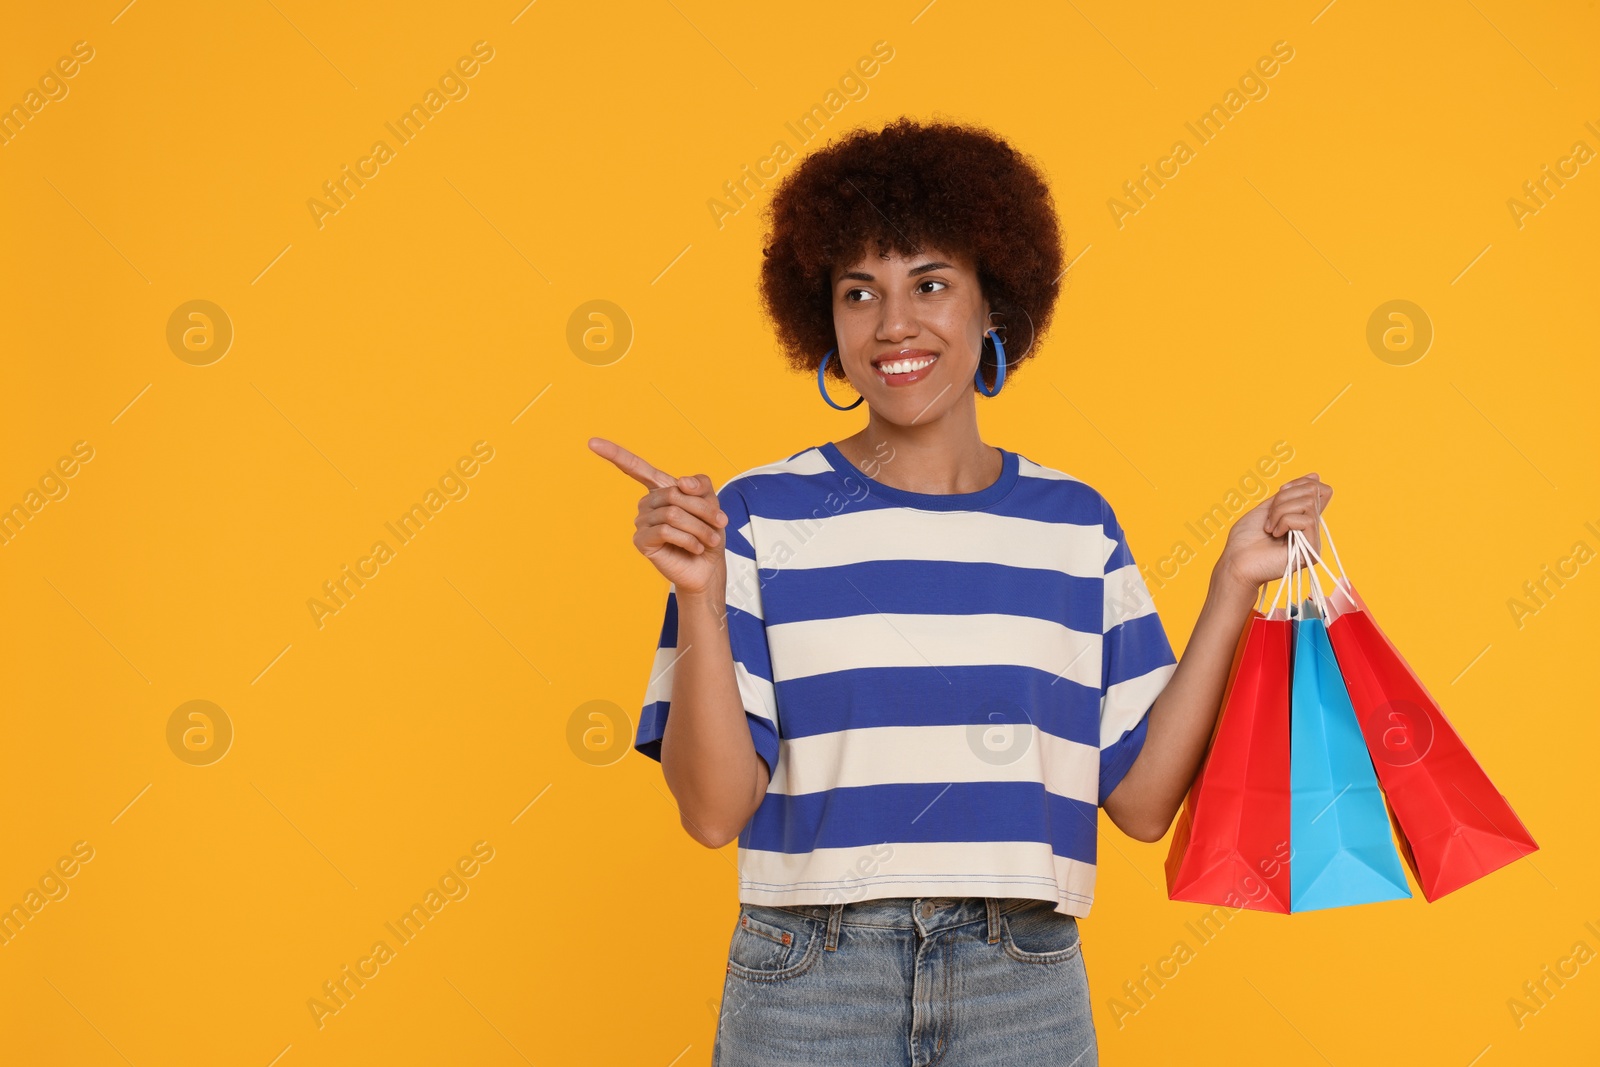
(630, 464)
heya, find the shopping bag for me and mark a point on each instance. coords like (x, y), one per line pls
(1344, 852)
(1456, 826)
(1231, 842)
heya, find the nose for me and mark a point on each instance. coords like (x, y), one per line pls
(896, 321)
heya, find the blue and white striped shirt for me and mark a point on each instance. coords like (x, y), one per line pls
(945, 688)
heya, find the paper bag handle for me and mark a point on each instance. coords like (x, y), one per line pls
(1283, 583)
(1301, 546)
(1314, 556)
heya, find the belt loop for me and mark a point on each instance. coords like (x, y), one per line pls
(994, 919)
(835, 916)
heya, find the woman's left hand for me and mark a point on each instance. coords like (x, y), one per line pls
(1258, 544)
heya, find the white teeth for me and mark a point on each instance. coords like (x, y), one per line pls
(904, 366)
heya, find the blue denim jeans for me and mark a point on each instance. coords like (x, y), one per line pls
(906, 982)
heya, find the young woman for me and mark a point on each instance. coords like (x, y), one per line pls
(906, 668)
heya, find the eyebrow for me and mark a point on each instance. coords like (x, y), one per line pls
(862, 276)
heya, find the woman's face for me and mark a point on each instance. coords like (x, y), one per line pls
(910, 330)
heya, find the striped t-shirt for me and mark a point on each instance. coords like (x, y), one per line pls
(945, 688)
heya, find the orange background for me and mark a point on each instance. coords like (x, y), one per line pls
(446, 702)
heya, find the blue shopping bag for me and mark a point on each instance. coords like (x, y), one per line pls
(1344, 851)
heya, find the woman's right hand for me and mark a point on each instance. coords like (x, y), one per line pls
(679, 525)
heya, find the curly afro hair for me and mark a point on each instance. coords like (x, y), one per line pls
(912, 187)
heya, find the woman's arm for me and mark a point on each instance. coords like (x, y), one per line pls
(707, 754)
(1184, 715)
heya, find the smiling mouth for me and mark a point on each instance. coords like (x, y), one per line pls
(905, 369)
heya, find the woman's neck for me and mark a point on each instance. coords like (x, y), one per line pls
(932, 459)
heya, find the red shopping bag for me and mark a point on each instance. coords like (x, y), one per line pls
(1231, 842)
(1456, 826)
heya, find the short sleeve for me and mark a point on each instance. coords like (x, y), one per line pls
(747, 637)
(1136, 658)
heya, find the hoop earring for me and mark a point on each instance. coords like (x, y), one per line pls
(822, 387)
(1000, 363)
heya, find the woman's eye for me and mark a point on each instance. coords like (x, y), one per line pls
(850, 295)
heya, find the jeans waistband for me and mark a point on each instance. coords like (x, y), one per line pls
(925, 914)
